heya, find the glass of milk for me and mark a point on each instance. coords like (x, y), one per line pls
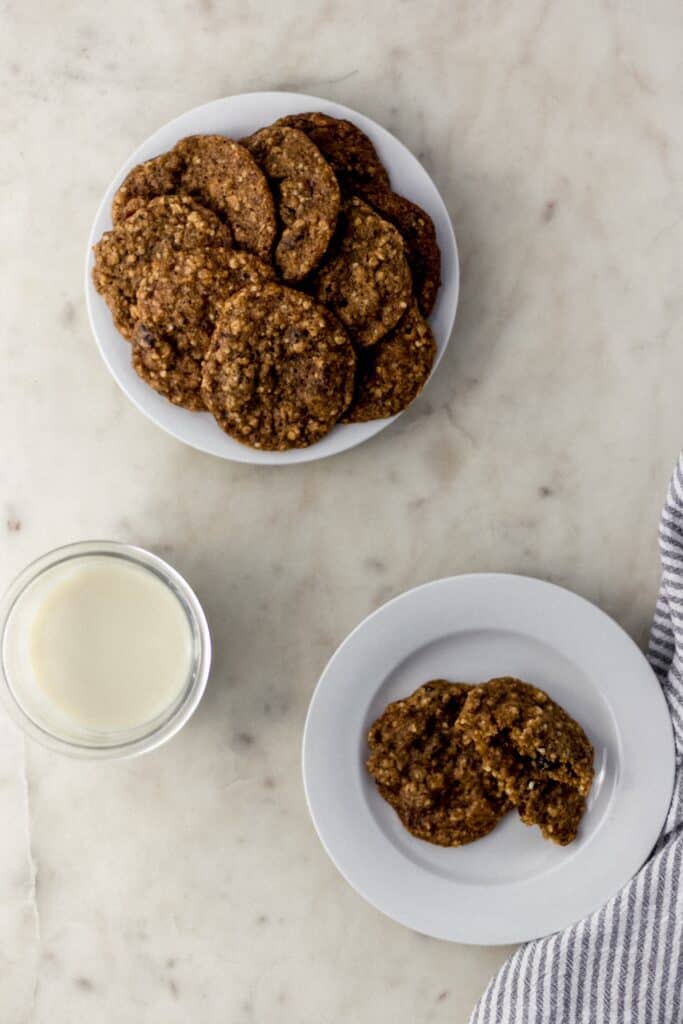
(105, 650)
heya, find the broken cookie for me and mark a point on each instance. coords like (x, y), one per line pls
(534, 749)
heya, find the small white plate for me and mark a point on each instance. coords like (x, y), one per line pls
(238, 116)
(512, 885)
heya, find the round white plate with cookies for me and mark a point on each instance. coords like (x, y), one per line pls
(511, 885)
(236, 117)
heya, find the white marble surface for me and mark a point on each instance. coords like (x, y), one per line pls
(189, 885)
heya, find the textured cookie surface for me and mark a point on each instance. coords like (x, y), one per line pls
(392, 373)
(160, 176)
(165, 225)
(418, 233)
(347, 149)
(183, 292)
(172, 371)
(224, 176)
(428, 774)
(538, 753)
(280, 369)
(307, 196)
(179, 299)
(366, 280)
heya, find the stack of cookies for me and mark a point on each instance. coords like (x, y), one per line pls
(277, 282)
(452, 759)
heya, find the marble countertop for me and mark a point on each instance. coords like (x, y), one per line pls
(189, 884)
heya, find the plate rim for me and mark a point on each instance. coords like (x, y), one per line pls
(514, 934)
(357, 434)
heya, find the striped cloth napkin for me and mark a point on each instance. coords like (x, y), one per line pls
(624, 963)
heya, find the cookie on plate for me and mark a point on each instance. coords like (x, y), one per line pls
(392, 373)
(307, 196)
(172, 371)
(366, 280)
(424, 769)
(346, 148)
(183, 292)
(419, 234)
(223, 175)
(160, 176)
(164, 225)
(280, 369)
(537, 752)
(179, 299)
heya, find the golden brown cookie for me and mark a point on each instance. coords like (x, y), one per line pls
(224, 176)
(366, 280)
(160, 176)
(537, 752)
(174, 372)
(183, 292)
(220, 175)
(418, 233)
(346, 148)
(392, 373)
(164, 225)
(178, 302)
(307, 196)
(429, 775)
(280, 369)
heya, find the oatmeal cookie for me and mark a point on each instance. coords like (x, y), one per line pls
(280, 369)
(424, 769)
(366, 280)
(160, 176)
(346, 148)
(220, 175)
(223, 175)
(418, 233)
(178, 302)
(392, 373)
(182, 293)
(164, 225)
(538, 753)
(307, 196)
(172, 371)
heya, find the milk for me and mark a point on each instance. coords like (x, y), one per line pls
(98, 643)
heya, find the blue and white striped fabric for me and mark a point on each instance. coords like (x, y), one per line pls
(624, 963)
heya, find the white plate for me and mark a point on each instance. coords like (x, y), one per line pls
(238, 116)
(512, 885)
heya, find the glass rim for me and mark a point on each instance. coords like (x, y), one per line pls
(169, 721)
